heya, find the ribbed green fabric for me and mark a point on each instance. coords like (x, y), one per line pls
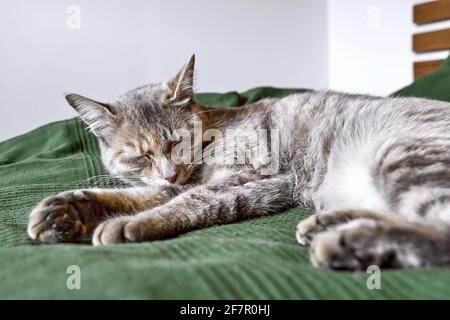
(257, 258)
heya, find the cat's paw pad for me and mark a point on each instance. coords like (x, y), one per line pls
(328, 251)
(116, 230)
(350, 249)
(58, 219)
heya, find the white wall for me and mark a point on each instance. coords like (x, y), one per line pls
(370, 45)
(319, 44)
(123, 44)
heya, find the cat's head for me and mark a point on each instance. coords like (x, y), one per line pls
(137, 132)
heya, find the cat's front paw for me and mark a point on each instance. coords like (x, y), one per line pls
(130, 229)
(111, 231)
(125, 229)
(59, 218)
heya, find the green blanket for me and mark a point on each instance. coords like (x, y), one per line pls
(257, 258)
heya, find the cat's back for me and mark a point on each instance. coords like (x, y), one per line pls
(329, 110)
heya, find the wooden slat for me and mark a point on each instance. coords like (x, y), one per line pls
(432, 41)
(423, 68)
(432, 11)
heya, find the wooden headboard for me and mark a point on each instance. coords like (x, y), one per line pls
(437, 40)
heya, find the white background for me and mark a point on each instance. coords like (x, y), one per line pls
(239, 44)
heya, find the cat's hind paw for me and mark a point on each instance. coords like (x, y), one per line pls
(362, 243)
(313, 225)
(332, 250)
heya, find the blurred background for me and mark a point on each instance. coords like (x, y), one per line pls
(102, 48)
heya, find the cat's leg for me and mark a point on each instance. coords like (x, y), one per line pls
(68, 216)
(415, 182)
(200, 207)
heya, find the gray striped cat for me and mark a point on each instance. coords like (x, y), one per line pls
(375, 170)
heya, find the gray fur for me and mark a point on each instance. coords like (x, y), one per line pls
(369, 157)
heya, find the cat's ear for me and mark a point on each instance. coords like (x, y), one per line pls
(182, 85)
(100, 117)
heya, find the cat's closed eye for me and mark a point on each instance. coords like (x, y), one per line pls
(144, 160)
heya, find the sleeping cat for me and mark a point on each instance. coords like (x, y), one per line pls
(375, 170)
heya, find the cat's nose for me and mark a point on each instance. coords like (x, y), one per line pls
(171, 179)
